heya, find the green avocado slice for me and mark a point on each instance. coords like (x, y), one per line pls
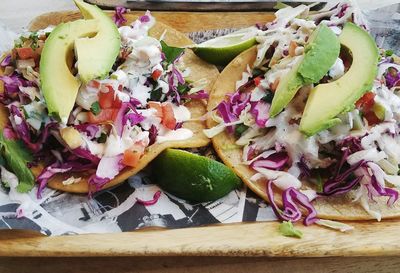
(320, 53)
(59, 86)
(326, 101)
(97, 55)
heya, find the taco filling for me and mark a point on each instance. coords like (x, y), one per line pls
(312, 123)
(144, 100)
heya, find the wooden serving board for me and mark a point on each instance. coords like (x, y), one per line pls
(243, 239)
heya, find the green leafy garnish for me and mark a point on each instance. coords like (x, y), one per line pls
(286, 228)
(239, 129)
(170, 52)
(257, 72)
(102, 138)
(17, 156)
(156, 94)
(183, 88)
(268, 97)
(389, 53)
(95, 108)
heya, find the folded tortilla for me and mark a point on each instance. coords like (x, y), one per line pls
(199, 70)
(334, 208)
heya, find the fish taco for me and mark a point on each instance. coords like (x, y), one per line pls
(309, 118)
(90, 102)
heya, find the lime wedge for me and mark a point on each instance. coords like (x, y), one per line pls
(222, 50)
(193, 177)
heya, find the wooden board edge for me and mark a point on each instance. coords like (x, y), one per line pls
(242, 239)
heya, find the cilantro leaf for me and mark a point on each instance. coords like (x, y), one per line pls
(239, 129)
(170, 52)
(183, 88)
(95, 108)
(156, 94)
(286, 228)
(389, 53)
(17, 156)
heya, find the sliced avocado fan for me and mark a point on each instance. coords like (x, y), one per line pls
(326, 101)
(320, 53)
(97, 55)
(60, 87)
(96, 43)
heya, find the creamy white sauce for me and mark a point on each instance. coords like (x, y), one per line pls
(174, 135)
(181, 113)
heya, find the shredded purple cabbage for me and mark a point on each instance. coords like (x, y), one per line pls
(145, 18)
(9, 133)
(238, 101)
(151, 202)
(97, 182)
(133, 118)
(13, 82)
(173, 88)
(86, 154)
(153, 132)
(352, 144)
(6, 61)
(57, 168)
(292, 199)
(376, 189)
(91, 130)
(392, 77)
(342, 182)
(343, 10)
(304, 169)
(118, 17)
(274, 161)
(21, 127)
(225, 111)
(260, 113)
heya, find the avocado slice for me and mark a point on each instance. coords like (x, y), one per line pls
(326, 101)
(320, 53)
(97, 55)
(59, 86)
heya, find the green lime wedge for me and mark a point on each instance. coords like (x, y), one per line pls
(193, 177)
(222, 50)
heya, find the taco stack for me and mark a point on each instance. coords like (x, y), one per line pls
(87, 103)
(309, 118)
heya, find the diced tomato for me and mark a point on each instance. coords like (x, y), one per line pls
(95, 84)
(109, 100)
(157, 106)
(156, 74)
(25, 53)
(105, 115)
(131, 158)
(366, 102)
(168, 119)
(257, 80)
(371, 117)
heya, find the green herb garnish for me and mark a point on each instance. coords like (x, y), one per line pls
(170, 52)
(240, 129)
(95, 108)
(17, 156)
(389, 53)
(268, 97)
(287, 229)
